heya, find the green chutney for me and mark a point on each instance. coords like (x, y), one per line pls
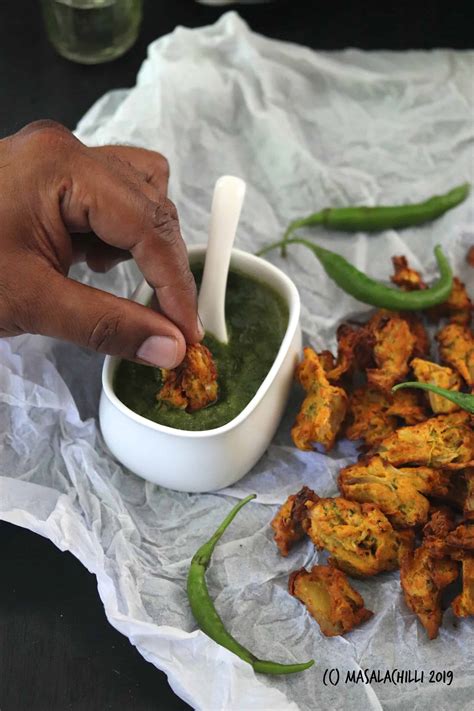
(257, 318)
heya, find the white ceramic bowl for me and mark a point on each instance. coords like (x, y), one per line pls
(209, 459)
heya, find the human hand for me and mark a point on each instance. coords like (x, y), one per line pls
(52, 189)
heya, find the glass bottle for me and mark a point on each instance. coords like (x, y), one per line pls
(92, 31)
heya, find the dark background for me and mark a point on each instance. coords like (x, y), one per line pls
(57, 650)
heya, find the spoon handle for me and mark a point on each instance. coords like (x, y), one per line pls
(229, 193)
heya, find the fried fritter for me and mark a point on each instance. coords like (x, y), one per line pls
(407, 405)
(406, 278)
(374, 481)
(347, 340)
(193, 384)
(359, 536)
(369, 418)
(422, 346)
(393, 347)
(456, 347)
(423, 578)
(463, 604)
(469, 500)
(461, 539)
(444, 442)
(458, 307)
(288, 521)
(443, 377)
(324, 407)
(329, 598)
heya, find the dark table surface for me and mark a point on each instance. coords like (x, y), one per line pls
(57, 650)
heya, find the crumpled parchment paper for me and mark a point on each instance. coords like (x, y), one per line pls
(305, 130)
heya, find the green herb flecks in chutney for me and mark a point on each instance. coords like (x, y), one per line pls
(257, 318)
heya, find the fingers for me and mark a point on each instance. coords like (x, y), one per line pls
(106, 323)
(99, 257)
(148, 166)
(103, 201)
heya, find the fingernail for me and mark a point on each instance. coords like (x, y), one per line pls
(200, 327)
(159, 351)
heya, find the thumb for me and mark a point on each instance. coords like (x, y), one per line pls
(106, 323)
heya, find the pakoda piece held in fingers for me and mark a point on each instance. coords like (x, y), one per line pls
(329, 598)
(193, 384)
(443, 442)
(456, 348)
(458, 307)
(443, 377)
(394, 492)
(288, 522)
(360, 538)
(405, 277)
(423, 579)
(324, 407)
(463, 604)
(394, 343)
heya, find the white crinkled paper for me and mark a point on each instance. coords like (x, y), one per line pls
(305, 129)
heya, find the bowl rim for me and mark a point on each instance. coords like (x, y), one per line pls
(294, 308)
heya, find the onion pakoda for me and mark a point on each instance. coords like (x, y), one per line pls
(443, 442)
(393, 347)
(423, 579)
(456, 347)
(394, 492)
(329, 598)
(443, 377)
(324, 407)
(193, 384)
(288, 521)
(359, 537)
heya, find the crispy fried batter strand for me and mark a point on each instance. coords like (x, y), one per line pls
(443, 377)
(458, 308)
(394, 344)
(324, 407)
(445, 442)
(347, 341)
(423, 578)
(395, 493)
(288, 521)
(456, 347)
(406, 278)
(359, 536)
(193, 384)
(329, 598)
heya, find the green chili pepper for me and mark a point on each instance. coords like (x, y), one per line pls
(206, 614)
(382, 217)
(365, 289)
(464, 400)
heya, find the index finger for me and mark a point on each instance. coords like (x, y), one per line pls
(99, 199)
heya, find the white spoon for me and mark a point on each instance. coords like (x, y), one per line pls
(229, 193)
